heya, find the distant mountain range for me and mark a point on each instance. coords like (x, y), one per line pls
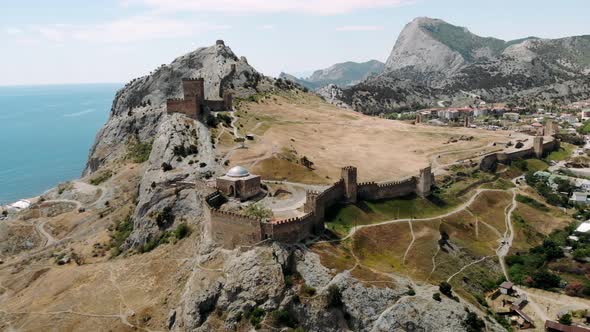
(434, 60)
(342, 74)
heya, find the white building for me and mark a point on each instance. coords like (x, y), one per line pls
(580, 198)
(583, 228)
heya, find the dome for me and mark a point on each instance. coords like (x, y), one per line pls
(237, 172)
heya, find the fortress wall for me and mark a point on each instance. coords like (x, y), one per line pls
(232, 229)
(375, 191)
(187, 107)
(215, 105)
(487, 163)
(295, 229)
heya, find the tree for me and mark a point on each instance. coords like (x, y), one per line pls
(445, 288)
(566, 319)
(334, 297)
(240, 140)
(166, 167)
(473, 323)
(436, 297)
(258, 211)
(545, 279)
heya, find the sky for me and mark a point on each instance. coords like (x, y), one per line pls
(73, 41)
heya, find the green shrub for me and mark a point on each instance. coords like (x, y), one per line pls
(182, 231)
(445, 288)
(308, 290)
(256, 317)
(258, 211)
(436, 297)
(122, 231)
(166, 167)
(566, 319)
(283, 318)
(139, 152)
(101, 177)
(165, 216)
(334, 297)
(532, 202)
(473, 323)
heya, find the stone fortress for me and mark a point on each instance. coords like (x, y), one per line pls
(231, 229)
(194, 103)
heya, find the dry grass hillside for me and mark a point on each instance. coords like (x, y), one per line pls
(291, 125)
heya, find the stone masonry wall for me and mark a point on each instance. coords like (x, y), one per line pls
(375, 191)
(232, 229)
(488, 161)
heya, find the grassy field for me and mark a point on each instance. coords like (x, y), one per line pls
(341, 218)
(537, 164)
(564, 152)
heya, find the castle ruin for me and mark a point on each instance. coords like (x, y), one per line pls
(193, 104)
(231, 230)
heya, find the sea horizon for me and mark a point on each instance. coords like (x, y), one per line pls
(47, 132)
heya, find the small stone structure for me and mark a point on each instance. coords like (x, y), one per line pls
(194, 103)
(239, 183)
(233, 229)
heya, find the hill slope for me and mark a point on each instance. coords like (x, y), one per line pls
(341, 74)
(443, 60)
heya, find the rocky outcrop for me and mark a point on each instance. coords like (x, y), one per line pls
(256, 279)
(139, 108)
(182, 153)
(433, 60)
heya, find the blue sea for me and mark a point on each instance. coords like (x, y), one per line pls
(46, 133)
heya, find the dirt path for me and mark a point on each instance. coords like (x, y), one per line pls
(460, 208)
(411, 242)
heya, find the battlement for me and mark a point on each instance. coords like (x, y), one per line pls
(231, 228)
(294, 220)
(236, 215)
(395, 183)
(193, 79)
(193, 103)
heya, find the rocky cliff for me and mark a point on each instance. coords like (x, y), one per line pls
(138, 118)
(432, 60)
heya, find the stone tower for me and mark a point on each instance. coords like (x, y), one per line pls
(538, 146)
(350, 184)
(227, 101)
(194, 87)
(424, 182)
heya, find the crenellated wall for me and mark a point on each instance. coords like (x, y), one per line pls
(372, 191)
(538, 150)
(232, 229)
(194, 103)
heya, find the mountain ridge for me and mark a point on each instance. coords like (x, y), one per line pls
(433, 56)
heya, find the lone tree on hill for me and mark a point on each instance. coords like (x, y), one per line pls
(240, 140)
(445, 288)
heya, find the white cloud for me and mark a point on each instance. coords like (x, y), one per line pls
(318, 7)
(132, 29)
(360, 28)
(266, 27)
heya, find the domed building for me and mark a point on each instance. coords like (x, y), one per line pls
(239, 183)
